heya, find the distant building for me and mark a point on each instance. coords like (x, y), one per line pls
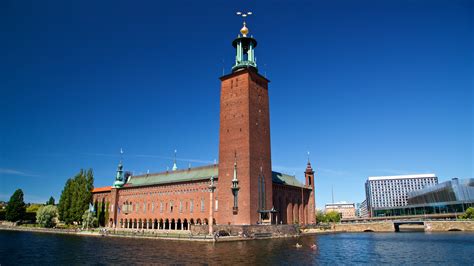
(384, 192)
(363, 210)
(347, 210)
(453, 196)
(453, 191)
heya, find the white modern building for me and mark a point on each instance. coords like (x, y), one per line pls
(391, 191)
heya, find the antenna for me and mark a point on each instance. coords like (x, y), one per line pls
(223, 67)
(332, 192)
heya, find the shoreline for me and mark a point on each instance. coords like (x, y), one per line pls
(124, 234)
(179, 237)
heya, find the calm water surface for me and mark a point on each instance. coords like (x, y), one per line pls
(21, 248)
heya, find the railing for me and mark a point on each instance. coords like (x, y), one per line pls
(155, 234)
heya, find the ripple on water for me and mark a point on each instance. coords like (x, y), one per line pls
(354, 248)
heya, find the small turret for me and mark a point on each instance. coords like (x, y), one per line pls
(175, 167)
(245, 54)
(119, 177)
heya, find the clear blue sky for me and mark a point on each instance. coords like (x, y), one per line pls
(368, 87)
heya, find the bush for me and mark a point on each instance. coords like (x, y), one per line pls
(30, 216)
(469, 214)
(329, 217)
(89, 219)
(47, 216)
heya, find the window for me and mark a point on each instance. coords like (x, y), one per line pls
(180, 206)
(191, 206)
(152, 207)
(202, 204)
(217, 204)
(161, 206)
(171, 206)
(144, 207)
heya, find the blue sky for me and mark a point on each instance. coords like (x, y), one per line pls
(368, 87)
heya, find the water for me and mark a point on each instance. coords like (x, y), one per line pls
(21, 248)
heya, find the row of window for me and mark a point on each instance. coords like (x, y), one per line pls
(129, 207)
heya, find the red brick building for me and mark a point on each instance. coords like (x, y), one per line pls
(242, 189)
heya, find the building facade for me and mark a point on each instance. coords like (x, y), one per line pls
(347, 210)
(241, 189)
(450, 197)
(391, 191)
(363, 209)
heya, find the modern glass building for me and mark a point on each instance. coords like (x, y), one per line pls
(454, 190)
(453, 196)
(384, 192)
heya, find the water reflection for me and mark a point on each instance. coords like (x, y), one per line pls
(371, 248)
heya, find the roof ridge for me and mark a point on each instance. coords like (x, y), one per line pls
(177, 171)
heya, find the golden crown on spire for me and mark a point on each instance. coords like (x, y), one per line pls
(244, 30)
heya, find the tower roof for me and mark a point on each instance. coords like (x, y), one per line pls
(309, 169)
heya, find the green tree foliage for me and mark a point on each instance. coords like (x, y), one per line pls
(50, 201)
(47, 216)
(89, 219)
(320, 217)
(101, 213)
(329, 217)
(76, 196)
(33, 207)
(469, 214)
(333, 216)
(16, 207)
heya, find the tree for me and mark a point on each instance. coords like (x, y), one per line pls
(65, 202)
(89, 219)
(328, 217)
(76, 196)
(33, 207)
(321, 217)
(47, 216)
(333, 216)
(50, 201)
(16, 207)
(469, 214)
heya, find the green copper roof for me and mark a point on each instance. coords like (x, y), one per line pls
(285, 179)
(196, 174)
(193, 174)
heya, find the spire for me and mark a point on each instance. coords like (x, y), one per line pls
(235, 168)
(175, 167)
(309, 169)
(244, 30)
(235, 186)
(119, 177)
(244, 46)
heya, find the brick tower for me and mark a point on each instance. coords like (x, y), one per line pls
(245, 174)
(309, 182)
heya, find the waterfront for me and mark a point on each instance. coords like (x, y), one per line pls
(358, 248)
